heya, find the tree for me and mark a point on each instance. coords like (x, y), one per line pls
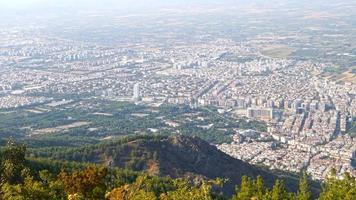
(245, 191)
(32, 189)
(185, 191)
(260, 188)
(279, 192)
(145, 188)
(128, 192)
(88, 183)
(12, 163)
(155, 188)
(339, 189)
(304, 192)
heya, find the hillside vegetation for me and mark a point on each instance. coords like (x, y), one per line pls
(38, 179)
(174, 156)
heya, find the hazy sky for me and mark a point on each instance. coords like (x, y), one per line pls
(19, 3)
(23, 4)
(21, 7)
(53, 5)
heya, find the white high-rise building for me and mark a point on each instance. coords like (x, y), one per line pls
(136, 91)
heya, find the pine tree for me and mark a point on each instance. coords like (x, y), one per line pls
(304, 189)
(339, 189)
(260, 188)
(245, 191)
(279, 192)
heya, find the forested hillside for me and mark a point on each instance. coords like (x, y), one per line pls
(36, 179)
(175, 156)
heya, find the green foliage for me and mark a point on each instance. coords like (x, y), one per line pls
(90, 153)
(47, 187)
(12, 163)
(186, 191)
(339, 189)
(88, 183)
(154, 188)
(246, 190)
(304, 188)
(117, 119)
(255, 189)
(279, 192)
(41, 179)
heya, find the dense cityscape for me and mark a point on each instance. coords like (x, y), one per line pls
(307, 114)
(261, 89)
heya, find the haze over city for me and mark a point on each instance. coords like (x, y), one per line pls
(264, 88)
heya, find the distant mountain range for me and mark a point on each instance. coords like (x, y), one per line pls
(176, 156)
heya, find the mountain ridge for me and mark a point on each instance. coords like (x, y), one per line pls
(173, 156)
